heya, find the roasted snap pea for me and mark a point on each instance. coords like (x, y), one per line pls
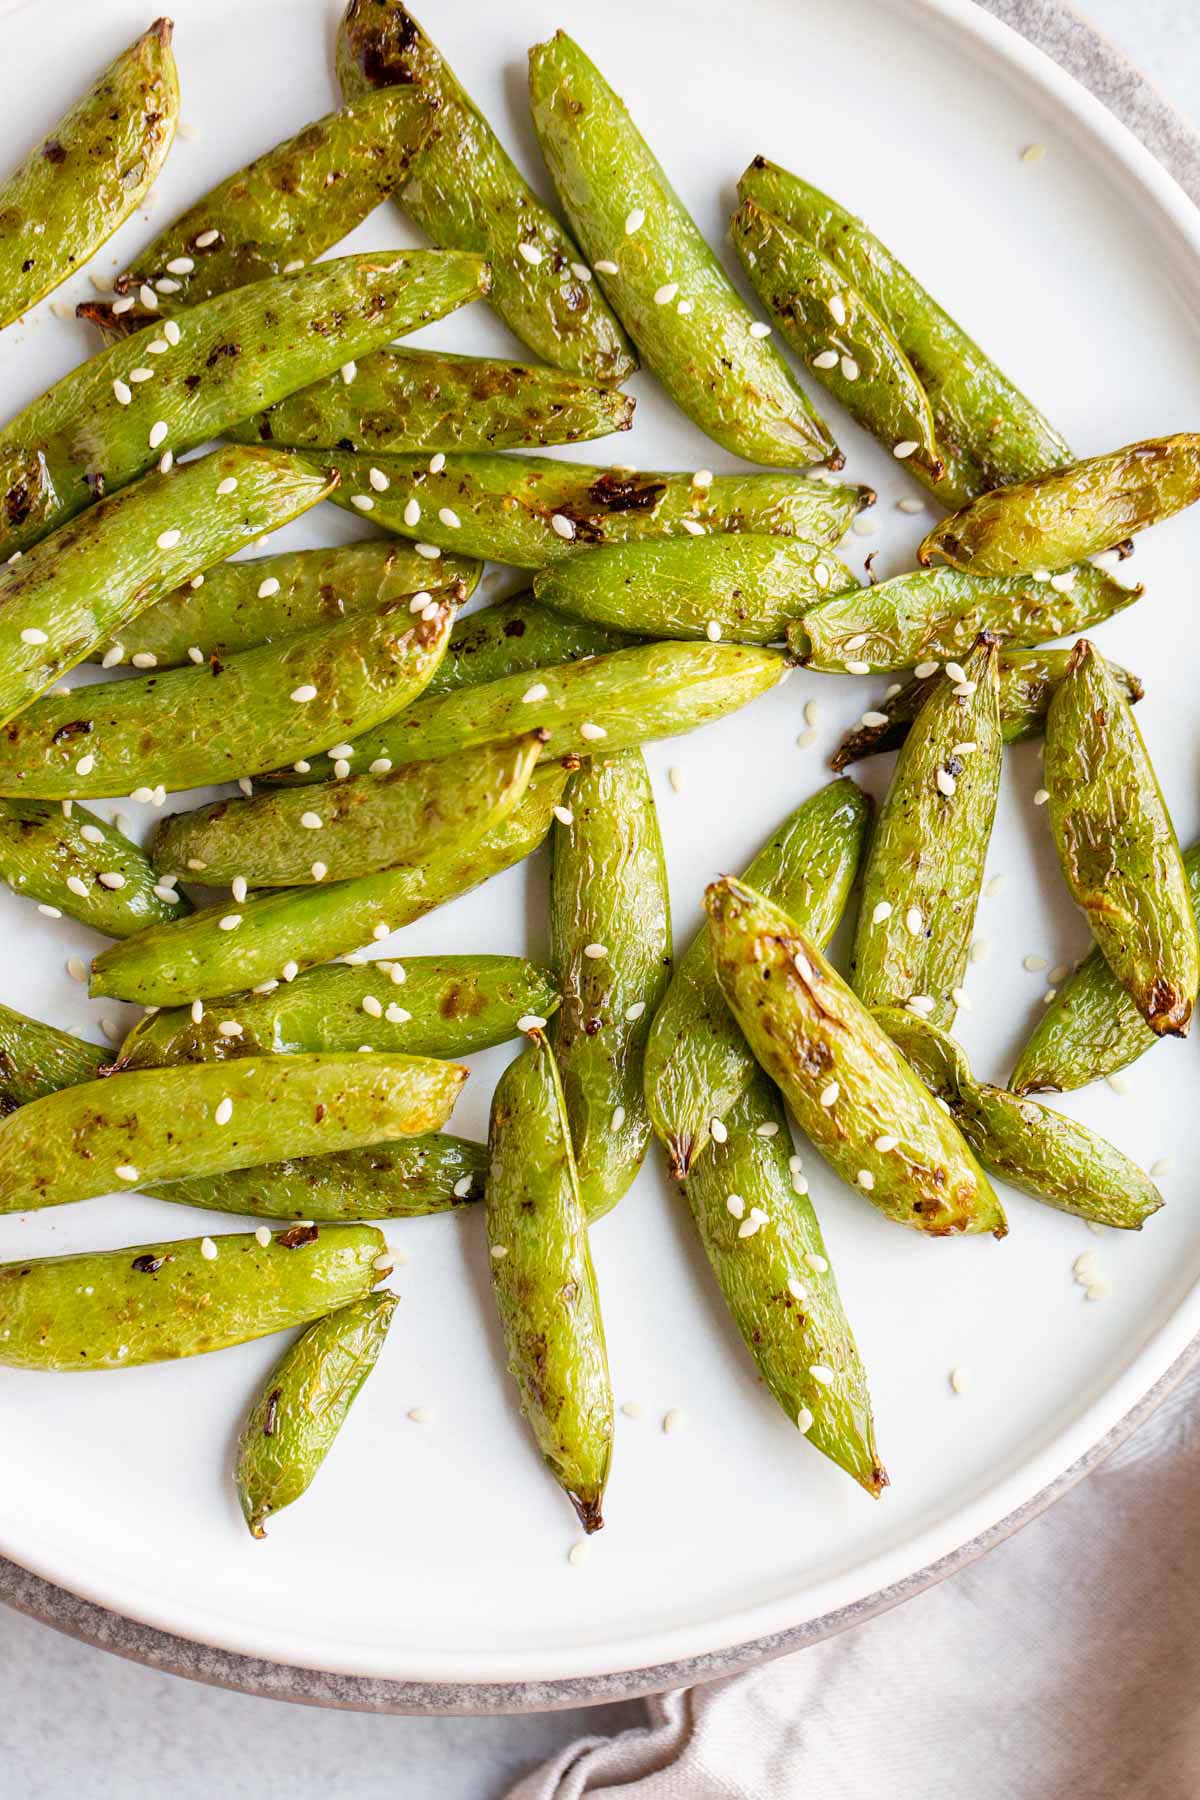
(924, 869)
(543, 1280)
(1055, 1159)
(987, 432)
(413, 1177)
(37, 1059)
(94, 169)
(516, 635)
(697, 1062)
(666, 286)
(764, 1245)
(1052, 521)
(303, 1405)
(1028, 679)
(741, 586)
(529, 510)
(464, 191)
(68, 594)
(939, 613)
(1117, 847)
(851, 1092)
(271, 937)
(112, 418)
(153, 1125)
(610, 943)
(78, 864)
(116, 1309)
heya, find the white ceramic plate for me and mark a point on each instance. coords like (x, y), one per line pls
(439, 1551)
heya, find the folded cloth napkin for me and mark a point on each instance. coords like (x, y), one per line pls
(1064, 1665)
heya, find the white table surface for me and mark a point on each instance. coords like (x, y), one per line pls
(75, 1722)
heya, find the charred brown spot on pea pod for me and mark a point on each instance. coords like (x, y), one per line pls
(296, 1236)
(319, 1111)
(148, 1265)
(272, 1412)
(54, 152)
(73, 728)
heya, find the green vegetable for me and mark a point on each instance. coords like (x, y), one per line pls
(82, 866)
(37, 1059)
(409, 1179)
(303, 1405)
(664, 282)
(515, 635)
(543, 1279)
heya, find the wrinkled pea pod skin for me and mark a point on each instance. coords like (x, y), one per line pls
(40, 851)
(409, 1179)
(93, 170)
(71, 592)
(1043, 1153)
(846, 1084)
(929, 848)
(697, 1063)
(987, 432)
(759, 1271)
(506, 505)
(516, 635)
(608, 890)
(646, 250)
(171, 965)
(235, 354)
(740, 587)
(543, 1280)
(304, 1402)
(117, 1309)
(160, 1124)
(1028, 679)
(38, 1059)
(1055, 520)
(939, 613)
(465, 192)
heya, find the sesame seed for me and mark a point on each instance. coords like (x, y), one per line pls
(563, 814)
(193, 862)
(675, 777)
(592, 733)
(595, 951)
(826, 359)
(379, 932)
(703, 478)
(429, 551)
(829, 1094)
(78, 887)
(449, 518)
(165, 285)
(718, 1129)
(1035, 964)
(144, 659)
(397, 971)
(363, 502)
(372, 1006)
(412, 512)
(666, 293)
(245, 786)
(955, 671)
(750, 1227)
(85, 765)
(208, 1249)
(924, 670)
(380, 766)
(238, 888)
(166, 462)
(961, 998)
(531, 253)
(980, 948)
(804, 1420)
(141, 374)
(1117, 1083)
(1033, 153)
(1041, 796)
(821, 1372)
(618, 1118)
(959, 1380)
(112, 656)
(230, 922)
(31, 635)
(378, 480)
(807, 739)
(634, 220)
(909, 506)
(1163, 1166)
(111, 878)
(945, 782)
(171, 331)
(262, 1236)
(673, 1419)
(802, 966)
(581, 271)
(563, 526)
(693, 527)
(197, 581)
(759, 330)
(437, 462)
(631, 1409)
(905, 448)
(499, 1251)
(76, 968)
(605, 267)
(530, 1022)
(712, 631)
(294, 267)
(816, 1263)
(736, 1205)
(229, 1028)
(849, 368)
(633, 1013)
(49, 912)
(123, 392)
(167, 540)
(921, 1004)
(348, 371)
(539, 691)
(341, 768)
(158, 433)
(123, 305)
(305, 692)
(148, 297)
(895, 687)
(205, 239)
(914, 921)
(224, 1111)
(685, 307)
(303, 766)
(180, 265)
(884, 1143)
(873, 719)
(964, 689)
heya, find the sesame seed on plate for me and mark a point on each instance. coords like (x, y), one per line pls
(980, 948)
(673, 1419)
(1041, 796)
(807, 739)
(378, 480)
(959, 1380)
(148, 297)
(112, 656)
(873, 719)
(304, 693)
(77, 968)
(562, 526)
(675, 777)
(123, 305)
(49, 912)
(857, 668)
(463, 1186)
(1035, 964)
(262, 1235)
(960, 997)
(224, 1111)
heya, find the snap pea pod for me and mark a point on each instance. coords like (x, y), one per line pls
(69, 593)
(742, 586)
(98, 429)
(304, 1402)
(924, 869)
(429, 400)
(154, 1125)
(37, 1059)
(1054, 1158)
(773, 1272)
(94, 169)
(117, 1309)
(84, 867)
(409, 1179)
(666, 286)
(505, 507)
(851, 1092)
(697, 1063)
(838, 335)
(239, 605)
(987, 432)
(366, 822)
(939, 613)
(276, 935)
(610, 943)
(464, 191)
(543, 1280)
(1052, 521)
(1117, 847)
(190, 726)
(1028, 679)
(516, 635)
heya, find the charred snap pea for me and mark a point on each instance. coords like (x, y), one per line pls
(851, 1092)
(530, 510)
(924, 869)
(1054, 520)
(67, 595)
(81, 865)
(1055, 1159)
(610, 937)
(516, 635)
(543, 1279)
(272, 937)
(303, 1405)
(664, 282)
(739, 586)
(409, 1179)
(95, 168)
(115, 1309)
(697, 1062)
(764, 1245)
(987, 432)
(112, 418)
(37, 1059)
(464, 191)
(1117, 847)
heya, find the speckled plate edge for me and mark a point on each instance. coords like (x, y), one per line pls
(1084, 53)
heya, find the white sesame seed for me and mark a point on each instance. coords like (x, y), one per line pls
(750, 1227)
(826, 359)
(964, 689)
(866, 1180)
(921, 1004)
(807, 739)
(412, 512)
(686, 307)
(123, 392)
(380, 766)
(804, 1420)
(945, 782)
(166, 462)
(78, 887)
(112, 656)
(959, 1380)
(31, 635)
(197, 581)
(238, 888)
(111, 878)
(604, 267)
(229, 1028)
(429, 551)
(230, 922)
(857, 668)
(208, 1249)
(664, 295)
(675, 777)
(592, 733)
(955, 671)
(980, 948)
(563, 814)
(618, 1118)
(372, 1006)
(304, 693)
(144, 659)
(141, 374)
(224, 1111)
(193, 862)
(205, 239)
(849, 368)
(1117, 1083)
(530, 1022)
(158, 433)
(759, 330)
(712, 631)
(1041, 796)
(165, 285)
(77, 968)
(85, 765)
(673, 1419)
(631, 1409)
(822, 1372)
(829, 1094)
(703, 478)
(563, 526)
(914, 921)
(693, 527)
(341, 769)
(378, 480)
(908, 505)
(961, 998)
(167, 540)
(303, 766)
(123, 305)
(379, 932)
(581, 271)
(818, 1264)
(595, 951)
(1035, 964)
(531, 253)
(873, 719)
(294, 267)
(262, 1236)
(499, 1251)
(449, 518)
(49, 912)
(884, 1143)
(463, 1186)
(180, 265)
(736, 1205)
(718, 1129)
(890, 692)
(171, 331)
(634, 220)
(289, 971)
(539, 691)
(924, 670)
(768, 1130)
(905, 448)
(363, 502)
(633, 1013)
(148, 297)
(348, 371)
